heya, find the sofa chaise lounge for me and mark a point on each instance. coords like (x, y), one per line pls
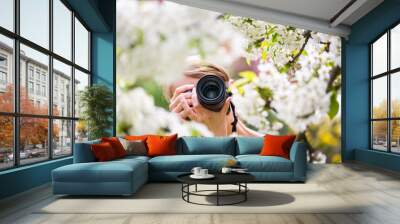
(125, 176)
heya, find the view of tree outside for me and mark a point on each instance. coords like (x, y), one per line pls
(33, 131)
(284, 80)
(379, 128)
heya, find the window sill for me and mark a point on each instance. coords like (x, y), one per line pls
(30, 166)
(382, 159)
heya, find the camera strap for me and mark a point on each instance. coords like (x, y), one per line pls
(235, 119)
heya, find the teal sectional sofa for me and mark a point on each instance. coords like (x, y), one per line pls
(125, 176)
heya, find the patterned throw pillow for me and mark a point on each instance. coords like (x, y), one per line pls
(134, 147)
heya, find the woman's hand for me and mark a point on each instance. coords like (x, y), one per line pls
(181, 102)
(185, 104)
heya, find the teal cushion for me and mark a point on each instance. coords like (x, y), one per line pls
(185, 163)
(249, 145)
(111, 171)
(133, 158)
(83, 152)
(206, 145)
(257, 163)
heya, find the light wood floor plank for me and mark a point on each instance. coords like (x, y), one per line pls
(377, 190)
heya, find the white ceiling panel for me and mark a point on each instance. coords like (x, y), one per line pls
(327, 16)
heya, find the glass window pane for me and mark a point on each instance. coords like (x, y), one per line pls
(62, 29)
(34, 21)
(395, 47)
(81, 45)
(6, 142)
(379, 98)
(34, 80)
(395, 94)
(6, 74)
(62, 89)
(7, 14)
(395, 138)
(81, 82)
(62, 138)
(379, 135)
(33, 139)
(81, 131)
(379, 55)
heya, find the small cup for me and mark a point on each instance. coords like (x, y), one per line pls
(196, 171)
(203, 172)
(226, 170)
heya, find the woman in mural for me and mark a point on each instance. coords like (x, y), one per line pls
(184, 101)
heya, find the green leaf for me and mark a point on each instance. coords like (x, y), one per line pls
(334, 106)
(96, 104)
(250, 75)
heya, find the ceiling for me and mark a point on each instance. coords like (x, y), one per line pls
(327, 16)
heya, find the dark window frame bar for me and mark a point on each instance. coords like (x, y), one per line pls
(388, 74)
(16, 115)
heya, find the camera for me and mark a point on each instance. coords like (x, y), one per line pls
(212, 92)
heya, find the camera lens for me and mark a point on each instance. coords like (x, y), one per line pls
(211, 92)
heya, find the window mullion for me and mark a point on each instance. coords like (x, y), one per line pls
(73, 82)
(50, 81)
(389, 113)
(16, 85)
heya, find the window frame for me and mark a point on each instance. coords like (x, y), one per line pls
(388, 74)
(16, 114)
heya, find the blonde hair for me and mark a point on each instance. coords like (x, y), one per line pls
(198, 70)
(201, 69)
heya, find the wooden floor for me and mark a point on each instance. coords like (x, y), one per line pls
(379, 189)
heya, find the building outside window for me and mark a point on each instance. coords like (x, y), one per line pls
(37, 75)
(30, 72)
(34, 75)
(43, 90)
(44, 77)
(3, 72)
(30, 87)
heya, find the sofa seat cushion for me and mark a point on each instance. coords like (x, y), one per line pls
(257, 163)
(133, 158)
(113, 171)
(185, 163)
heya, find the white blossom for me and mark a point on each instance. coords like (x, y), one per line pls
(155, 38)
(137, 108)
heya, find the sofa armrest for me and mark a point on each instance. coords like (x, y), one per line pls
(298, 155)
(83, 152)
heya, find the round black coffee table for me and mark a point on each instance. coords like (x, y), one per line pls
(238, 179)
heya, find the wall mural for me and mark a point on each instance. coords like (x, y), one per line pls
(201, 73)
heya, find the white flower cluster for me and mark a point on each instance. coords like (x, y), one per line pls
(137, 108)
(155, 38)
(274, 41)
(299, 99)
(250, 107)
(298, 102)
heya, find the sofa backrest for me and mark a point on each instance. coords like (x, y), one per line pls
(249, 145)
(83, 152)
(206, 145)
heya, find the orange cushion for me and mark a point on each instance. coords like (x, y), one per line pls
(161, 145)
(103, 152)
(116, 145)
(136, 137)
(277, 145)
